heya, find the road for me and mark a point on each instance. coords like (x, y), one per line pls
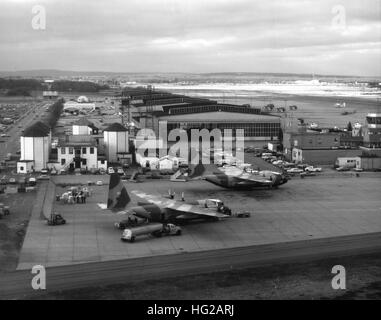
(18, 284)
(12, 143)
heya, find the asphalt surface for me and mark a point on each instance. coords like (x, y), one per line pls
(18, 284)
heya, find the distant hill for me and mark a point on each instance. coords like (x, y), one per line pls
(173, 76)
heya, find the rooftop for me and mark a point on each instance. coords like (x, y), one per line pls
(116, 127)
(84, 122)
(220, 117)
(38, 129)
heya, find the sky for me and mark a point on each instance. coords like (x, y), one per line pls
(341, 37)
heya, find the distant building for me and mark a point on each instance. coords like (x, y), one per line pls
(116, 143)
(35, 145)
(322, 156)
(50, 94)
(372, 130)
(258, 129)
(84, 127)
(76, 107)
(308, 141)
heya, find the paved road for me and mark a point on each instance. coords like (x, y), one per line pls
(17, 284)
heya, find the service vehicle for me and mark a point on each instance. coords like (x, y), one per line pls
(32, 181)
(154, 229)
(55, 219)
(4, 210)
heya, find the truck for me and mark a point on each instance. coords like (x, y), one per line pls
(154, 229)
(55, 219)
(4, 210)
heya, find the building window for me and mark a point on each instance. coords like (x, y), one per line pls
(21, 168)
(63, 161)
(63, 150)
(91, 150)
(102, 162)
(71, 150)
(84, 150)
(84, 162)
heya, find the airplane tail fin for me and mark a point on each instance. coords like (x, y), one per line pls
(118, 197)
(196, 171)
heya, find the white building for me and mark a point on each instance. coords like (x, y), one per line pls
(116, 143)
(34, 148)
(73, 155)
(168, 163)
(75, 107)
(84, 127)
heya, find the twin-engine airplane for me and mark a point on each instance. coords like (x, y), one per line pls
(161, 209)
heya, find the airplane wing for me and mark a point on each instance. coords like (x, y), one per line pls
(179, 206)
(254, 180)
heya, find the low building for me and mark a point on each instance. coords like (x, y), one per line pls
(25, 166)
(84, 127)
(76, 155)
(322, 156)
(168, 163)
(308, 141)
(77, 152)
(76, 107)
(368, 163)
(346, 162)
(50, 94)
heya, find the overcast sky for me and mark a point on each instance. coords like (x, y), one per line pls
(297, 36)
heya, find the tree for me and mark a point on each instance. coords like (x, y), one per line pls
(349, 127)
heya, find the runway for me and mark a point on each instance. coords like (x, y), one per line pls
(17, 284)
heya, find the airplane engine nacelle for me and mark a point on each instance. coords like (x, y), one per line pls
(149, 211)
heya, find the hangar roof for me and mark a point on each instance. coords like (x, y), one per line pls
(220, 117)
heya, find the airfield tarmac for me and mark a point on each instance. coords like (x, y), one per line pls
(303, 209)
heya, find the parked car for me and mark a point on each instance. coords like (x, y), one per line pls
(120, 171)
(312, 169)
(110, 170)
(343, 169)
(12, 180)
(32, 181)
(102, 171)
(43, 177)
(295, 170)
(44, 171)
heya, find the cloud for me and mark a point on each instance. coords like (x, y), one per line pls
(193, 35)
